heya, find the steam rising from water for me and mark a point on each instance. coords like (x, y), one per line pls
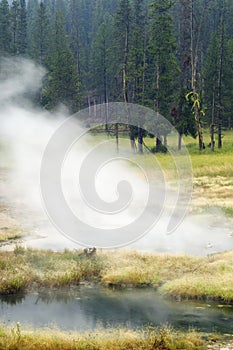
(25, 132)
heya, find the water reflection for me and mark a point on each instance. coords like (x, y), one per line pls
(88, 308)
(12, 299)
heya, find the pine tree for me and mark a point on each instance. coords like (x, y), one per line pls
(137, 52)
(220, 72)
(210, 77)
(22, 29)
(80, 38)
(101, 60)
(227, 92)
(41, 35)
(5, 34)
(123, 23)
(216, 72)
(137, 63)
(14, 12)
(122, 42)
(32, 9)
(182, 113)
(63, 84)
(163, 50)
(74, 33)
(196, 32)
(85, 40)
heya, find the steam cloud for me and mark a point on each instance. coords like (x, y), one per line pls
(25, 132)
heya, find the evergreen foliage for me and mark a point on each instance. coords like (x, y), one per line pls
(150, 52)
(5, 23)
(63, 85)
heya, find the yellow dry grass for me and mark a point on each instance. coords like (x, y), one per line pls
(129, 267)
(179, 276)
(109, 339)
(26, 268)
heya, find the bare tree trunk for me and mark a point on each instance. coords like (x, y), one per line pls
(105, 83)
(221, 53)
(157, 88)
(158, 142)
(117, 137)
(126, 52)
(133, 145)
(140, 130)
(143, 77)
(132, 138)
(194, 58)
(212, 124)
(140, 140)
(212, 137)
(125, 84)
(89, 104)
(186, 66)
(179, 141)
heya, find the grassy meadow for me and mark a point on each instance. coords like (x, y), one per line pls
(212, 177)
(174, 276)
(212, 171)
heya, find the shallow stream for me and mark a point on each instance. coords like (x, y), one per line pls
(89, 308)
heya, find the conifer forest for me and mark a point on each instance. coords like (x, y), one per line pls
(174, 56)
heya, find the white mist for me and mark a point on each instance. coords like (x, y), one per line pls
(25, 132)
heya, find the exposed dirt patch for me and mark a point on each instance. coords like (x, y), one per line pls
(220, 346)
(213, 191)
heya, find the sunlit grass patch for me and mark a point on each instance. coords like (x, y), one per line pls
(103, 339)
(136, 276)
(217, 287)
(14, 275)
(13, 283)
(28, 268)
(134, 268)
(179, 276)
(6, 235)
(210, 182)
(206, 162)
(212, 280)
(175, 275)
(213, 165)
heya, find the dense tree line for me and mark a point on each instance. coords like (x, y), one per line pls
(173, 56)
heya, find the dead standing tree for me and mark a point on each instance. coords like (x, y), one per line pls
(196, 26)
(195, 48)
(220, 74)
